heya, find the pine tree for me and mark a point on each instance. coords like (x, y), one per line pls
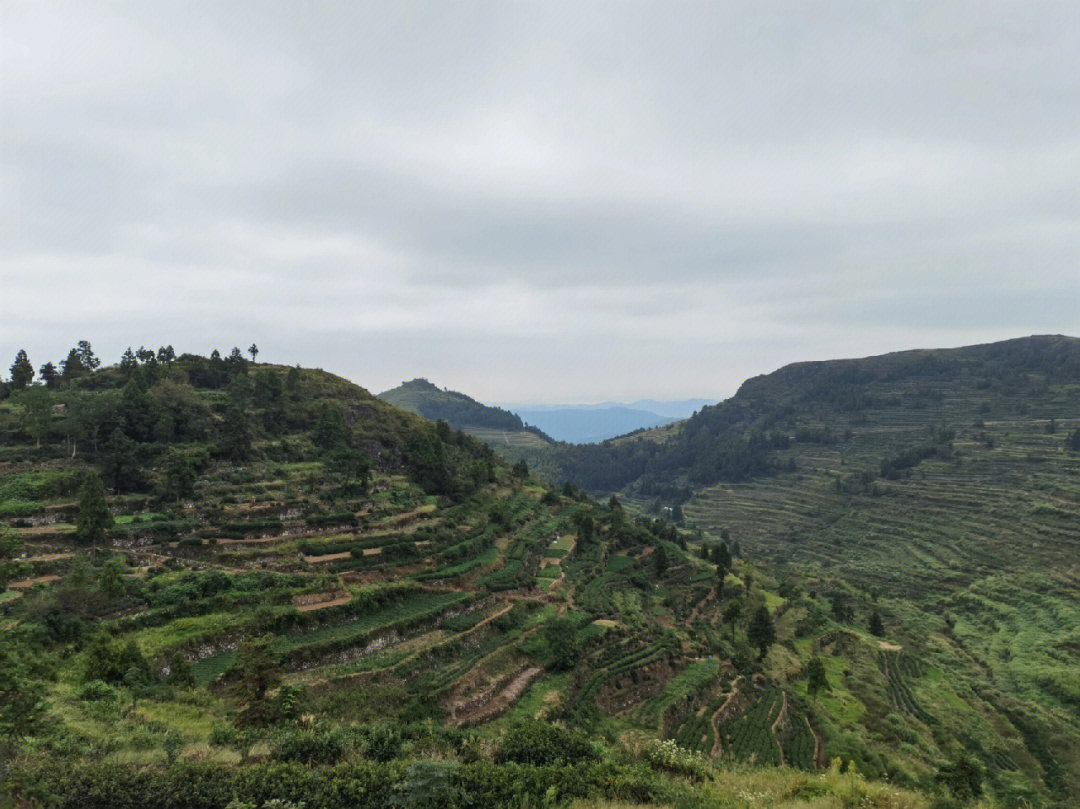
(128, 362)
(72, 367)
(723, 561)
(256, 672)
(877, 628)
(86, 356)
(37, 409)
(22, 372)
(761, 632)
(49, 375)
(816, 679)
(94, 516)
(731, 614)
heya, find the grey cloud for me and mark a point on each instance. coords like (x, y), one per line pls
(539, 200)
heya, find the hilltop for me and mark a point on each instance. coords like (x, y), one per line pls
(494, 426)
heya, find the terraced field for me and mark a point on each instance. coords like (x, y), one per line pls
(749, 736)
(936, 488)
(918, 549)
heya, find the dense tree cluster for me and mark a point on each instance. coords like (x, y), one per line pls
(147, 427)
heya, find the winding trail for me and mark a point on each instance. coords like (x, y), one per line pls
(819, 746)
(721, 715)
(781, 718)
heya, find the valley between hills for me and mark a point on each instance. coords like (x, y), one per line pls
(853, 583)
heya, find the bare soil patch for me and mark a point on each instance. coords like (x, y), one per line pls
(26, 584)
(310, 602)
(329, 557)
(48, 557)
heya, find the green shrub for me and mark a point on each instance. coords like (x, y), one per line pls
(667, 755)
(529, 741)
(428, 785)
(311, 746)
(99, 691)
(382, 742)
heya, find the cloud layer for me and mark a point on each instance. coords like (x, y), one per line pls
(549, 202)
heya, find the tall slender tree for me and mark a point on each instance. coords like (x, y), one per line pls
(94, 516)
(49, 375)
(37, 407)
(86, 356)
(22, 372)
(816, 679)
(731, 615)
(761, 631)
(877, 627)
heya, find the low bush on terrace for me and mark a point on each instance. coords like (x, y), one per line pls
(539, 743)
(361, 785)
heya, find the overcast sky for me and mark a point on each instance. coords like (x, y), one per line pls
(557, 202)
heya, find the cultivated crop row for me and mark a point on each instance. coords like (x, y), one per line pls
(895, 668)
(748, 737)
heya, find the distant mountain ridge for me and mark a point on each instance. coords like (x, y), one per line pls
(593, 423)
(495, 426)
(743, 437)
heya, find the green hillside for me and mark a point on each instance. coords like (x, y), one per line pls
(939, 488)
(228, 582)
(494, 426)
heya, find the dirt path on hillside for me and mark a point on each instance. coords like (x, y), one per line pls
(721, 715)
(26, 584)
(47, 557)
(501, 611)
(819, 746)
(781, 718)
(197, 564)
(252, 541)
(328, 557)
